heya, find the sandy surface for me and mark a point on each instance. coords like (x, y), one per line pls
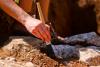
(25, 52)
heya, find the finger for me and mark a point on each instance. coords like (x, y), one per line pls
(59, 37)
(44, 35)
(37, 34)
(47, 32)
(48, 35)
(48, 27)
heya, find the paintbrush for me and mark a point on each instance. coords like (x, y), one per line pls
(55, 40)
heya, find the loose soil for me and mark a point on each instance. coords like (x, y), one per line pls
(26, 50)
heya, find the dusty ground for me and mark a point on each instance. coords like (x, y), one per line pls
(25, 52)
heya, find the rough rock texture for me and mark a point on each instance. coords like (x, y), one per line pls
(26, 49)
(88, 45)
(88, 55)
(25, 52)
(85, 39)
(10, 62)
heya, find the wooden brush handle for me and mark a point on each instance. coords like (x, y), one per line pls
(40, 12)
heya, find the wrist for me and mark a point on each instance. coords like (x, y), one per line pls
(23, 19)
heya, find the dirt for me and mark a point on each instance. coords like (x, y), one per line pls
(27, 49)
(77, 64)
(94, 61)
(42, 60)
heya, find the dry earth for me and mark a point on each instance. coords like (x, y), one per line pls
(22, 51)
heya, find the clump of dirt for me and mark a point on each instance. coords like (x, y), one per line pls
(43, 61)
(94, 61)
(77, 64)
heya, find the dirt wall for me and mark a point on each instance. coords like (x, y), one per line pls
(69, 18)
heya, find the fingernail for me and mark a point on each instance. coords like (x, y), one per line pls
(48, 43)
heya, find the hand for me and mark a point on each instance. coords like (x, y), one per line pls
(38, 29)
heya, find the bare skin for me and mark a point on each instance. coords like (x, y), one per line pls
(34, 26)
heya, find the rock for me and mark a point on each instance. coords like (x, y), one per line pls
(25, 51)
(10, 62)
(15, 41)
(95, 41)
(85, 37)
(89, 53)
(30, 64)
(65, 51)
(88, 45)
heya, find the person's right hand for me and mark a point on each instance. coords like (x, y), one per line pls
(38, 29)
(34, 26)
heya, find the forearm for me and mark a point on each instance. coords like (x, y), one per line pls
(12, 9)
